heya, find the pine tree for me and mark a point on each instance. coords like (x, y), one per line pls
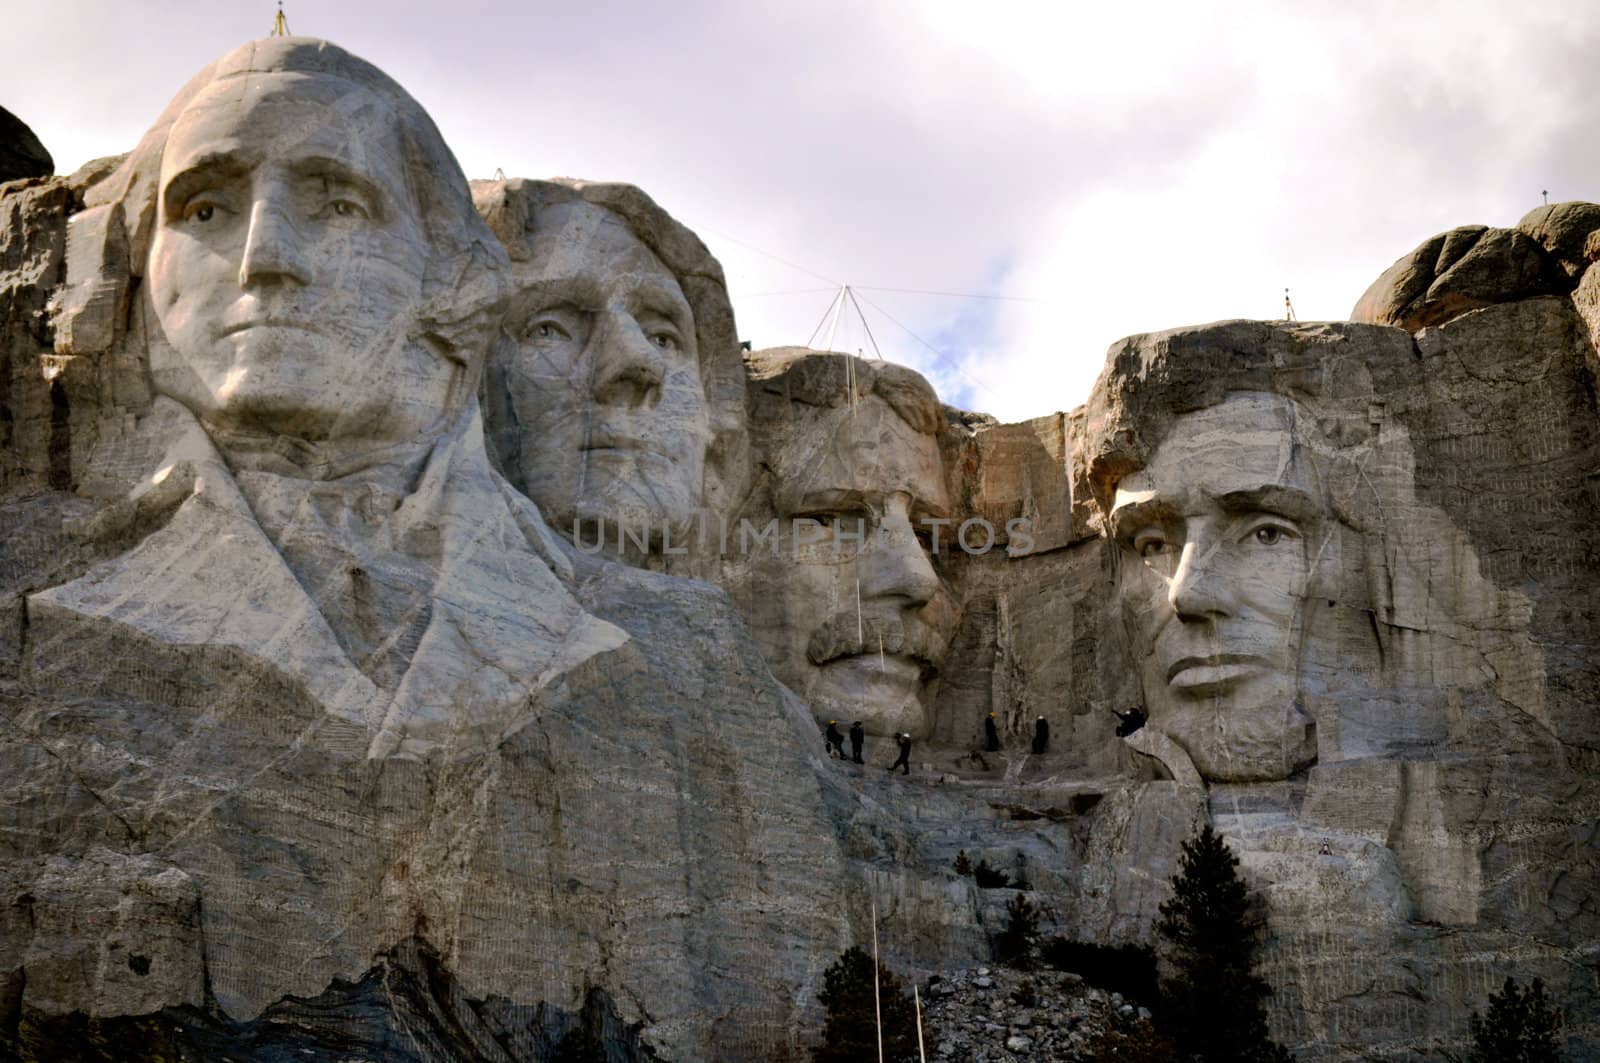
(851, 1035)
(1214, 1005)
(1521, 1027)
(1015, 946)
(963, 865)
(579, 1046)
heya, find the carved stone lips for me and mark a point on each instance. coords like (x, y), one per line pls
(1214, 671)
(889, 667)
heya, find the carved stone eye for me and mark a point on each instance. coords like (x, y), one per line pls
(1269, 536)
(205, 213)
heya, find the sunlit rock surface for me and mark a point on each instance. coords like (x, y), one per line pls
(299, 761)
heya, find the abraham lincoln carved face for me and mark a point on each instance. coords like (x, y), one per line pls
(1219, 536)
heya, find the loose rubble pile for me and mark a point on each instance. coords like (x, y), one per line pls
(999, 1015)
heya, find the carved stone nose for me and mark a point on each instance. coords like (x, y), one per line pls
(628, 368)
(272, 249)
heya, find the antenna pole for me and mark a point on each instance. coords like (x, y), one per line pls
(864, 325)
(838, 312)
(818, 330)
(916, 998)
(877, 1008)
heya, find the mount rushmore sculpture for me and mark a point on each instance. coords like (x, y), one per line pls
(417, 611)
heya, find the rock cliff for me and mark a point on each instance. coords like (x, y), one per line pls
(299, 762)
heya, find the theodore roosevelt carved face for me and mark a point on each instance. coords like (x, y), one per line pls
(849, 608)
(1219, 539)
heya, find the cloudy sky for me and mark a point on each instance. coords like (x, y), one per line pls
(1095, 170)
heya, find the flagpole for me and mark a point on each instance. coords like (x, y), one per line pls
(877, 1006)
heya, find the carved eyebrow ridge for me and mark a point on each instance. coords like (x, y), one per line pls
(234, 164)
(327, 167)
(1290, 502)
(654, 297)
(1129, 518)
(209, 166)
(579, 292)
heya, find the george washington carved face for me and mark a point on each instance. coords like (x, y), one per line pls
(289, 261)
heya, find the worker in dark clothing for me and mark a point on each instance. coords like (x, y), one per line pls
(833, 738)
(858, 735)
(1041, 735)
(905, 754)
(1132, 720)
(991, 735)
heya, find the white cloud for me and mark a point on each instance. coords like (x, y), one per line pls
(1129, 167)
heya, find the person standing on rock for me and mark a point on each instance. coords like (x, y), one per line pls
(858, 735)
(1041, 735)
(833, 738)
(904, 761)
(991, 735)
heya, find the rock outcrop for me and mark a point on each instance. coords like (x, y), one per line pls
(21, 154)
(1002, 1015)
(320, 738)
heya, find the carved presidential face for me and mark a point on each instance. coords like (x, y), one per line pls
(855, 485)
(1217, 538)
(605, 381)
(287, 263)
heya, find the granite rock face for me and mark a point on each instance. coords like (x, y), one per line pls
(1428, 661)
(292, 676)
(327, 731)
(615, 400)
(1474, 266)
(832, 557)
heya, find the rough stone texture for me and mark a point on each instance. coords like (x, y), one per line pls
(1563, 230)
(1458, 271)
(21, 154)
(1447, 823)
(1472, 573)
(265, 722)
(845, 596)
(1001, 1015)
(397, 771)
(618, 396)
(408, 1007)
(1005, 473)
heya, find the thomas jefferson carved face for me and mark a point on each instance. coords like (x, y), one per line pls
(1219, 537)
(605, 383)
(287, 264)
(854, 485)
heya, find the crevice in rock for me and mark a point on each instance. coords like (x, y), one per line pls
(60, 476)
(407, 1008)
